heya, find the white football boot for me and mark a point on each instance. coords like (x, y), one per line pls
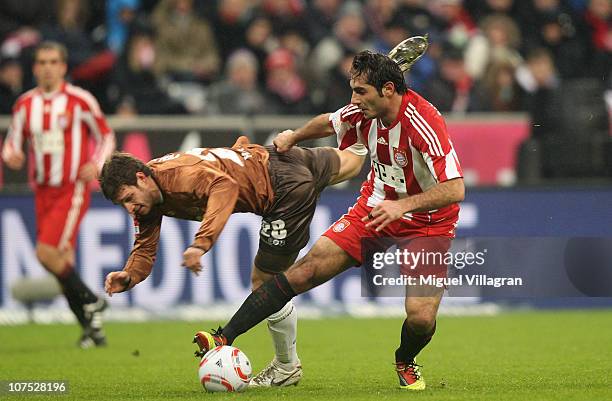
(274, 375)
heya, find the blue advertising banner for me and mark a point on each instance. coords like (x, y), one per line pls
(106, 236)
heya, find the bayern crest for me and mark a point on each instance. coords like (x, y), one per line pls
(341, 226)
(63, 120)
(400, 157)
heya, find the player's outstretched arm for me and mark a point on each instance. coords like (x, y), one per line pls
(318, 127)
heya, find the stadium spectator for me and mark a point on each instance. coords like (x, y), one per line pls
(239, 92)
(453, 90)
(134, 88)
(538, 77)
(379, 14)
(320, 18)
(232, 18)
(417, 17)
(294, 41)
(337, 92)
(498, 89)
(285, 85)
(17, 14)
(260, 40)
(19, 44)
(553, 25)
(480, 9)
(598, 18)
(176, 24)
(498, 41)
(68, 28)
(119, 16)
(394, 31)
(59, 120)
(285, 15)
(11, 83)
(452, 20)
(349, 35)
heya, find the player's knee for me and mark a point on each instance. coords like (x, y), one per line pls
(44, 255)
(421, 321)
(302, 276)
(256, 282)
(52, 259)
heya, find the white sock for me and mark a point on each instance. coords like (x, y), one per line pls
(283, 329)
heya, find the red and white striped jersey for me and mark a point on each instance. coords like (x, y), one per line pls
(410, 156)
(59, 126)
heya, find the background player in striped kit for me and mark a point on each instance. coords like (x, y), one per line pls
(412, 191)
(59, 120)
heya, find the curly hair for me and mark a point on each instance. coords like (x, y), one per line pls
(118, 171)
(377, 69)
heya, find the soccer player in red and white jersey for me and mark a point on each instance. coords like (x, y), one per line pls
(412, 192)
(59, 119)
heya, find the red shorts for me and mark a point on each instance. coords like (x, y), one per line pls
(350, 234)
(59, 211)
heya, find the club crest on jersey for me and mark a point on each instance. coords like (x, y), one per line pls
(63, 120)
(400, 157)
(341, 225)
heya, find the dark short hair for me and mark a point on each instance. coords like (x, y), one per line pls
(118, 171)
(50, 45)
(377, 69)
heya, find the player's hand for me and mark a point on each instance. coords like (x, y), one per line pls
(191, 259)
(384, 213)
(117, 282)
(284, 141)
(88, 172)
(15, 161)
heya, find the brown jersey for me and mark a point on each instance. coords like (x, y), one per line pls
(202, 184)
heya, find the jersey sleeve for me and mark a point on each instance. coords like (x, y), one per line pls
(98, 126)
(433, 142)
(16, 133)
(346, 122)
(141, 259)
(221, 192)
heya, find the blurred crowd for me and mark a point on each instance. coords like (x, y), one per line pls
(293, 56)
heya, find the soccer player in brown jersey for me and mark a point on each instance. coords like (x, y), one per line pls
(211, 184)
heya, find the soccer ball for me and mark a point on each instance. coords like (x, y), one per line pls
(225, 368)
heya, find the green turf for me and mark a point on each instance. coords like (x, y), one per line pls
(514, 356)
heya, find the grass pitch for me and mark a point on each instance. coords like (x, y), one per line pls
(514, 356)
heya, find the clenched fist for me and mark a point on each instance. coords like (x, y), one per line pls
(284, 141)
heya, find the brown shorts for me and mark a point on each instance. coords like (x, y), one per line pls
(298, 178)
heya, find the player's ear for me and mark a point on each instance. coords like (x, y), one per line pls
(388, 89)
(140, 176)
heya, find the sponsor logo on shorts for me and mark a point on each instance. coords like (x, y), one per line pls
(341, 225)
(400, 157)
